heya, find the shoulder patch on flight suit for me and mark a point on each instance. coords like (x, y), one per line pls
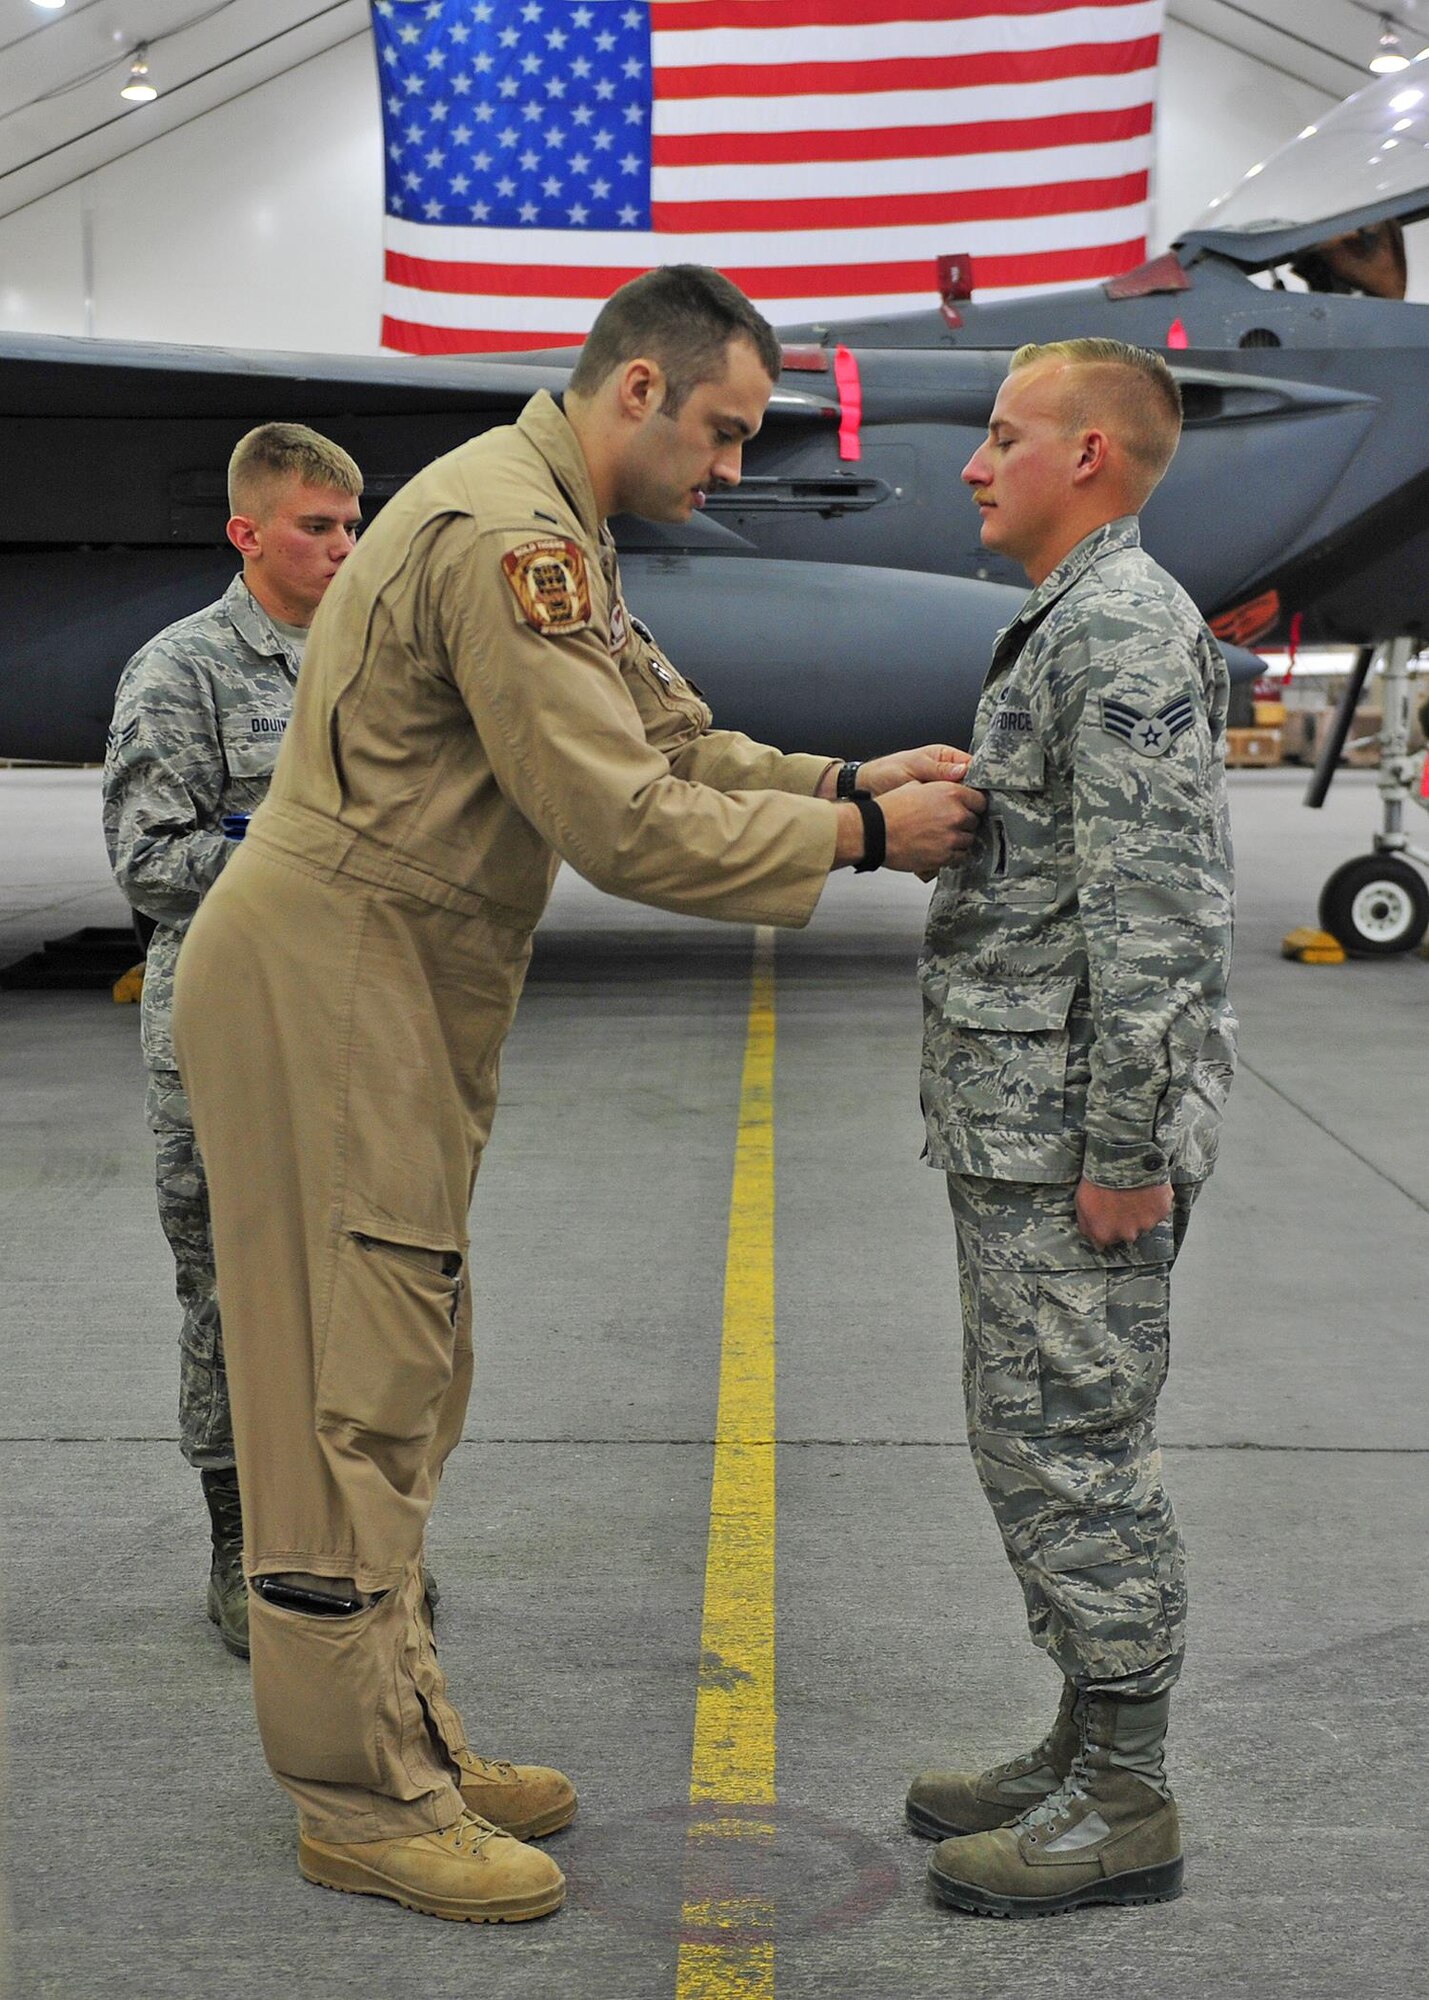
(1149, 735)
(619, 626)
(548, 578)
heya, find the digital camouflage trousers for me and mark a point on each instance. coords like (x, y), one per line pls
(1065, 1349)
(205, 1424)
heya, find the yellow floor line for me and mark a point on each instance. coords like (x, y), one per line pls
(727, 1950)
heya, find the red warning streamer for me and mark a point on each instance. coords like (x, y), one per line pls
(850, 388)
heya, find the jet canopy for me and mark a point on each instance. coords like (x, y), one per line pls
(1367, 161)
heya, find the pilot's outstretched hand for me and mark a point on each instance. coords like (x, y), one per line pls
(933, 763)
(925, 825)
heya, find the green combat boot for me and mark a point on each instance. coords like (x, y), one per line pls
(227, 1591)
(941, 1803)
(1108, 1834)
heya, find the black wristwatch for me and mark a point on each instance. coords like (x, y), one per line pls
(848, 779)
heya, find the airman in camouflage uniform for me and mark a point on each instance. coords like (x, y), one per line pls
(199, 717)
(1076, 1057)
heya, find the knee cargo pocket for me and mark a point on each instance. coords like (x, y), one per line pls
(1109, 1616)
(1070, 1350)
(388, 1356)
(328, 1703)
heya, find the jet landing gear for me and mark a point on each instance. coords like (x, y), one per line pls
(1375, 906)
(1378, 904)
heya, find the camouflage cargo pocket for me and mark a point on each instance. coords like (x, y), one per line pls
(1102, 1341)
(1071, 1350)
(999, 1054)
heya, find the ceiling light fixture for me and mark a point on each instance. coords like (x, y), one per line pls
(1389, 56)
(139, 90)
(50, 6)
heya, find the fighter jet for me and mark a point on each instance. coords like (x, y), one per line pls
(1298, 508)
(840, 594)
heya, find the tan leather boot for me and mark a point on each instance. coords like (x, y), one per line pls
(470, 1872)
(525, 1800)
(943, 1803)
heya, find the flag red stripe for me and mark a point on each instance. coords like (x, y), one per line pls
(509, 281)
(671, 16)
(902, 142)
(1037, 267)
(1058, 267)
(842, 79)
(914, 275)
(892, 211)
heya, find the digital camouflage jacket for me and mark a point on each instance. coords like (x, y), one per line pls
(199, 716)
(1075, 965)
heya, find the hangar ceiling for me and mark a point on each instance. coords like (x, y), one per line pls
(61, 115)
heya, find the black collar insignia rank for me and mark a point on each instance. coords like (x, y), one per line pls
(1149, 735)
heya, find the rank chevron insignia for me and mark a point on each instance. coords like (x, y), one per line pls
(1151, 735)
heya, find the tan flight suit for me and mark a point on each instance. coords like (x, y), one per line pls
(475, 705)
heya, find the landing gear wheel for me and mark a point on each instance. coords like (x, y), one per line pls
(1376, 906)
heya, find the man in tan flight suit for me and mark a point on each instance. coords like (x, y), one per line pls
(476, 705)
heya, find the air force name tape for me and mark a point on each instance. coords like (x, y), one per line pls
(1149, 735)
(548, 578)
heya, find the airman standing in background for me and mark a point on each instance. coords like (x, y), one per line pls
(199, 716)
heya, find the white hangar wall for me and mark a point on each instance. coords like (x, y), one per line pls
(259, 223)
(256, 225)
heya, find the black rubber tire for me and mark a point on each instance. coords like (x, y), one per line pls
(1376, 905)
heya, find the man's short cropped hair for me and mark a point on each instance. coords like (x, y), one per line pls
(1126, 390)
(275, 452)
(683, 316)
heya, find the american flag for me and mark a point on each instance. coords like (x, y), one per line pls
(823, 153)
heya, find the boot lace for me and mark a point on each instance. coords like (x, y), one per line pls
(494, 1768)
(1070, 1793)
(470, 1833)
(1025, 1763)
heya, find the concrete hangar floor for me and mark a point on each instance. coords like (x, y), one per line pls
(148, 1853)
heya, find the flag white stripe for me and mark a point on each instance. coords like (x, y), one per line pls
(990, 34)
(885, 110)
(831, 180)
(496, 317)
(584, 249)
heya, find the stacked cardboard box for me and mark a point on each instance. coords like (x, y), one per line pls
(1252, 748)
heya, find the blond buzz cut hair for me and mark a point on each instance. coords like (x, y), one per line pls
(1128, 391)
(272, 453)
